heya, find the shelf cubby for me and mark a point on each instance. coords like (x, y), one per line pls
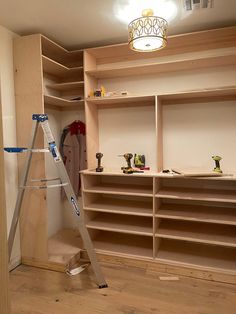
(197, 194)
(197, 232)
(123, 185)
(120, 244)
(126, 205)
(54, 51)
(201, 213)
(62, 102)
(182, 253)
(121, 224)
(62, 72)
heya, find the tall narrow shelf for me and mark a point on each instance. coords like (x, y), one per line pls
(46, 76)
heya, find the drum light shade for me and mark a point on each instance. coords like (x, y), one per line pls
(147, 33)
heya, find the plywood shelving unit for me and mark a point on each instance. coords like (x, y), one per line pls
(192, 219)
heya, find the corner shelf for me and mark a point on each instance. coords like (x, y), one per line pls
(66, 86)
(54, 68)
(61, 102)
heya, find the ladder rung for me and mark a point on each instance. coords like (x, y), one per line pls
(44, 180)
(40, 187)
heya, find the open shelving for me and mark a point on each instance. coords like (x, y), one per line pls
(197, 232)
(121, 185)
(180, 64)
(210, 214)
(197, 255)
(121, 244)
(122, 224)
(138, 206)
(197, 194)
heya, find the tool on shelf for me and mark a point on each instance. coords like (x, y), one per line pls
(99, 158)
(129, 169)
(217, 160)
(42, 120)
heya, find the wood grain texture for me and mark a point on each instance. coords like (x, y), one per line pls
(131, 290)
(4, 292)
(29, 100)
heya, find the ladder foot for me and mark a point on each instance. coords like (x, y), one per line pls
(103, 286)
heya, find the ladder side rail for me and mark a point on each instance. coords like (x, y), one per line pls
(21, 190)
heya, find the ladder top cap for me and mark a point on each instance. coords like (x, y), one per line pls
(40, 117)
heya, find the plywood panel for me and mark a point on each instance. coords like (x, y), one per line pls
(29, 100)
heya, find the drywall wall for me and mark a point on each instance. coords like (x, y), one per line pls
(9, 129)
(117, 131)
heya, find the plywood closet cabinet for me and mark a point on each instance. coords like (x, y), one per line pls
(179, 225)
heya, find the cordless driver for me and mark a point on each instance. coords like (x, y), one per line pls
(99, 158)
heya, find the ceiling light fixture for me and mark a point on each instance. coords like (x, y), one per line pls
(147, 33)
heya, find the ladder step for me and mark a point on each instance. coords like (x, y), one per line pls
(40, 187)
(25, 149)
(44, 180)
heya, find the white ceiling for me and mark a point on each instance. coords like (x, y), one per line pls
(80, 24)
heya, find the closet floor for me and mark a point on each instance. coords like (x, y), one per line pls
(131, 291)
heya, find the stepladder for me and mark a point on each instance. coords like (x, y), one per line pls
(64, 182)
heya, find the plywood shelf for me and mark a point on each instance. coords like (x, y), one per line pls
(197, 232)
(199, 256)
(54, 68)
(127, 100)
(210, 214)
(54, 51)
(187, 63)
(197, 194)
(67, 86)
(120, 244)
(122, 224)
(121, 189)
(121, 206)
(62, 102)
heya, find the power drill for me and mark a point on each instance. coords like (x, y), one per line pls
(99, 167)
(128, 169)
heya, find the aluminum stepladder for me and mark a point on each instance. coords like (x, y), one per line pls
(42, 119)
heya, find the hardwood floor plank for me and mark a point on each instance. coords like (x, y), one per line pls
(130, 291)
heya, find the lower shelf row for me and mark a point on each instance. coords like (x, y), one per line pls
(173, 251)
(224, 235)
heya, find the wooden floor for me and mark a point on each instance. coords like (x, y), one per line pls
(131, 291)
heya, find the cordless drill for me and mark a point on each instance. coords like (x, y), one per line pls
(128, 169)
(99, 167)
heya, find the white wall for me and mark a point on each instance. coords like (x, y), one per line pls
(59, 212)
(9, 129)
(215, 121)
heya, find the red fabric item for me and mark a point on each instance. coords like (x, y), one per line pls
(77, 127)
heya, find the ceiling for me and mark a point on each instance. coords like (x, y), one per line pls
(87, 23)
